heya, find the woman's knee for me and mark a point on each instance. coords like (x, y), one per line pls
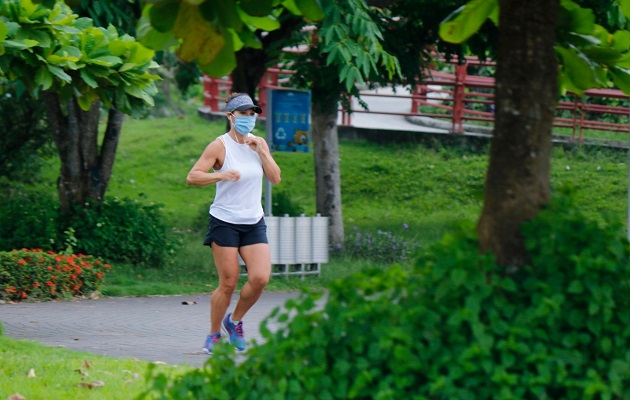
(258, 281)
(228, 285)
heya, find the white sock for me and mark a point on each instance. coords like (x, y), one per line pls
(232, 321)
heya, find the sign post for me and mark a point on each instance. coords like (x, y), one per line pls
(287, 125)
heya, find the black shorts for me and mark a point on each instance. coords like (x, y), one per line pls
(226, 234)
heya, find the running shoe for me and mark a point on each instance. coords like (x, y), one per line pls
(211, 340)
(235, 332)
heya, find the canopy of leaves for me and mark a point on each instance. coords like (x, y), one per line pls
(50, 48)
(589, 55)
(210, 32)
(345, 51)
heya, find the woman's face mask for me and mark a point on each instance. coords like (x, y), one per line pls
(244, 124)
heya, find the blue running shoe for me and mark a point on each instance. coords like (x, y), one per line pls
(211, 340)
(235, 332)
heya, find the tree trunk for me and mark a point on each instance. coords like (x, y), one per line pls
(518, 179)
(108, 153)
(327, 173)
(84, 174)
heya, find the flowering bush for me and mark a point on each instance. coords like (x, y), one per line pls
(37, 275)
(381, 246)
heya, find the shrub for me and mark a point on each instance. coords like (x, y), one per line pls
(455, 327)
(28, 220)
(118, 230)
(38, 275)
(381, 246)
(24, 137)
(122, 230)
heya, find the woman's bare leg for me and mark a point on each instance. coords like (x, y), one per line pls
(226, 261)
(257, 257)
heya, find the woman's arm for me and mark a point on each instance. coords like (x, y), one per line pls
(199, 175)
(270, 168)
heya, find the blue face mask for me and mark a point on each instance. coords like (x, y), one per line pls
(244, 124)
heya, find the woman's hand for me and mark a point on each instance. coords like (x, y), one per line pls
(255, 143)
(231, 175)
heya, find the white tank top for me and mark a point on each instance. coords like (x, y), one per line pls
(239, 202)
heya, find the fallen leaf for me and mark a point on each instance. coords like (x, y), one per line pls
(95, 295)
(16, 396)
(189, 303)
(91, 385)
(159, 362)
(87, 364)
(82, 372)
(31, 373)
(76, 338)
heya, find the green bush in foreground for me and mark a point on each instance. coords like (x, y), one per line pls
(38, 275)
(455, 327)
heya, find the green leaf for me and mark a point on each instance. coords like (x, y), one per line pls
(44, 78)
(575, 287)
(267, 23)
(60, 73)
(310, 9)
(201, 40)
(151, 37)
(85, 101)
(20, 45)
(621, 78)
(466, 20)
(105, 61)
(621, 40)
(257, 8)
(578, 68)
(624, 5)
(226, 10)
(3, 31)
(576, 19)
(602, 55)
(291, 7)
(88, 79)
(163, 15)
(223, 63)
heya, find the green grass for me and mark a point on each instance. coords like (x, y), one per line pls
(64, 374)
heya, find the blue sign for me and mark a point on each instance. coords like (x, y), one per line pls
(288, 119)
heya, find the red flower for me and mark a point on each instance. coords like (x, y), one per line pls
(35, 284)
(23, 295)
(22, 262)
(108, 266)
(99, 275)
(50, 268)
(73, 277)
(11, 289)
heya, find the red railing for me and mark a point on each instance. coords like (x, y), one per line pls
(463, 97)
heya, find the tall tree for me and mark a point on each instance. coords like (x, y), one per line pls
(76, 67)
(344, 53)
(518, 178)
(542, 47)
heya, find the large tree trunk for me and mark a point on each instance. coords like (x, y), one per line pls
(327, 173)
(84, 174)
(518, 179)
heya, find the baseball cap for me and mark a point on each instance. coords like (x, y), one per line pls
(241, 103)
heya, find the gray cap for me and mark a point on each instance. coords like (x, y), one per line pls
(241, 103)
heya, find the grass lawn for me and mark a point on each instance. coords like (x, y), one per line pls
(39, 372)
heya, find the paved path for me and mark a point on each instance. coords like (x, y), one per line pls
(156, 328)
